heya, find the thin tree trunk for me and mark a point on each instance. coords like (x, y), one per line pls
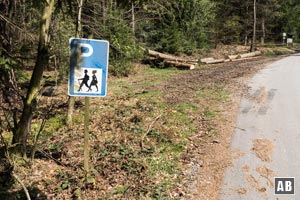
(246, 25)
(104, 10)
(133, 17)
(263, 31)
(71, 101)
(30, 102)
(71, 104)
(252, 48)
(78, 24)
(110, 6)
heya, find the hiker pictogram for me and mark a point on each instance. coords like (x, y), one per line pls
(94, 81)
(84, 80)
(87, 80)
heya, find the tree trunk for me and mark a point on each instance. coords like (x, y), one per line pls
(78, 21)
(246, 40)
(71, 101)
(30, 102)
(246, 25)
(133, 17)
(71, 104)
(252, 48)
(169, 57)
(263, 28)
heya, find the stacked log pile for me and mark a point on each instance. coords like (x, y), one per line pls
(164, 60)
(231, 58)
(171, 60)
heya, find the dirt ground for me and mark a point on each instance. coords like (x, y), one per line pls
(216, 156)
(128, 167)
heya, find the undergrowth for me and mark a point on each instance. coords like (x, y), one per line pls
(139, 142)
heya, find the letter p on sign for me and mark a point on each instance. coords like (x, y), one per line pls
(284, 185)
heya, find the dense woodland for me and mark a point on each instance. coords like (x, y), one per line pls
(35, 37)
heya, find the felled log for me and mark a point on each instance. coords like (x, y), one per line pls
(180, 64)
(249, 58)
(251, 54)
(232, 57)
(204, 60)
(215, 61)
(169, 57)
(157, 58)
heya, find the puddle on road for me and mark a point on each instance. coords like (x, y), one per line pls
(263, 110)
(246, 109)
(271, 94)
(262, 97)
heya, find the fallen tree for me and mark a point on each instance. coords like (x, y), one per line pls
(230, 58)
(180, 64)
(170, 60)
(248, 55)
(204, 60)
(215, 61)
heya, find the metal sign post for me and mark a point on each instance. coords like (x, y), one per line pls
(88, 77)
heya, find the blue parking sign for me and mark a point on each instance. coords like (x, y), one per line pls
(88, 67)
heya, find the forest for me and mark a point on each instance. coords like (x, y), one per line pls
(34, 57)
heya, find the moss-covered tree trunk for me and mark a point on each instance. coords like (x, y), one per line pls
(30, 102)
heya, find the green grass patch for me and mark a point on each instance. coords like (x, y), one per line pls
(215, 93)
(282, 51)
(161, 73)
(270, 53)
(23, 76)
(208, 113)
(164, 164)
(55, 123)
(275, 51)
(161, 191)
(269, 44)
(186, 107)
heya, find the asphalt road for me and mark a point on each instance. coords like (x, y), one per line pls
(266, 140)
